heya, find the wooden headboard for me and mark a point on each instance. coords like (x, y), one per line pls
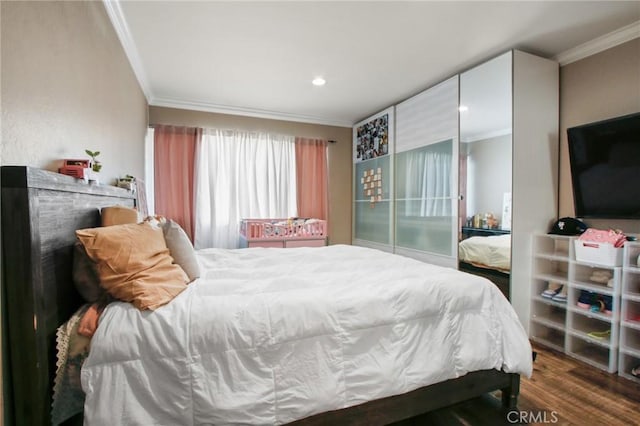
(40, 212)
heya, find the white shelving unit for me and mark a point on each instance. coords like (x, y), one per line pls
(629, 354)
(592, 337)
(552, 257)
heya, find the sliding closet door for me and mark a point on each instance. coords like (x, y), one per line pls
(426, 175)
(373, 181)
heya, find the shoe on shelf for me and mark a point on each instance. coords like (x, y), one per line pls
(608, 304)
(602, 303)
(600, 334)
(586, 299)
(601, 276)
(636, 371)
(553, 289)
(561, 296)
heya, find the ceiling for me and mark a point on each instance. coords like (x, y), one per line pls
(258, 58)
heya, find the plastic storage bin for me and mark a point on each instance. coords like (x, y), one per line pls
(598, 253)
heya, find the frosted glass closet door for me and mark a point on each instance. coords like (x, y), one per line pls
(426, 175)
(373, 181)
(424, 198)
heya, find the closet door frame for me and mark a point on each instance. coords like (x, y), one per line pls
(536, 88)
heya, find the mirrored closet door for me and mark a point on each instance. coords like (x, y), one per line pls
(486, 170)
(509, 145)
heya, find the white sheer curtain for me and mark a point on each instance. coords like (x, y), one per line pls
(241, 175)
(427, 179)
(149, 170)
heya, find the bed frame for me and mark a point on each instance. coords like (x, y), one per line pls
(40, 212)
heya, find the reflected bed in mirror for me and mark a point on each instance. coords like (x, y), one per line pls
(488, 256)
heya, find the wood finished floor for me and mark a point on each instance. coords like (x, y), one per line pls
(577, 393)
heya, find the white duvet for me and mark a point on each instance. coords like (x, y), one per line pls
(268, 336)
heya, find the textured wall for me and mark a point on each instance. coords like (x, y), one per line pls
(598, 87)
(339, 154)
(67, 86)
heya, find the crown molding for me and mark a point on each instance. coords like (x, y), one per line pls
(122, 30)
(486, 135)
(597, 45)
(247, 112)
(119, 23)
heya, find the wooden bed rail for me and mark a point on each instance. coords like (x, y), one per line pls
(423, 400)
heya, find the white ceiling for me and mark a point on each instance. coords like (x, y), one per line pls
(258, 58)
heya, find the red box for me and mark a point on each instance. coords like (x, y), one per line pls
(75, 168)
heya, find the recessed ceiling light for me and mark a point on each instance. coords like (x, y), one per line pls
(318, 81)
(463, 108)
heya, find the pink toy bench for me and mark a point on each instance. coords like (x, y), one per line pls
(283, 233)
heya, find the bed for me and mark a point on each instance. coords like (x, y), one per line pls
(38, 235)
(489, 257)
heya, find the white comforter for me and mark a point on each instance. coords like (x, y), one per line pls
(268, 336)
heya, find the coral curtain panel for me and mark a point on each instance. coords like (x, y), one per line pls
(311, 178)
(174, 159)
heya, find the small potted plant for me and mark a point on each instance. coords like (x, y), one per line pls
(96, 166)
(127, 182)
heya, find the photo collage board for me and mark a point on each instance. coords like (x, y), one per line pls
(372, 142)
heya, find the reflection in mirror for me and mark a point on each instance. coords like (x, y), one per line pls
(485, 170)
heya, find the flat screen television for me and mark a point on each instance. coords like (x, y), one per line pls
(605, 168)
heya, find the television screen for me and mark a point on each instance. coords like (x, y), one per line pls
(605, 168)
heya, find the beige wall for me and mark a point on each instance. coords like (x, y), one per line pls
(67, 86)
(601, 86)
(339, 154)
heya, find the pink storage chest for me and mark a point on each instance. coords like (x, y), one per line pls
(283, 233)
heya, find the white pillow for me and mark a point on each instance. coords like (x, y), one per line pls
(181, 249)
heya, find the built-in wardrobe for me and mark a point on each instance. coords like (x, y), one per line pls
(410, 196)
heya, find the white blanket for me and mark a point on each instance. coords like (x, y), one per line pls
(492, 251)
(268, 336)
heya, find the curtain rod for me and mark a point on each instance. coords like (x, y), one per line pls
(154, 125)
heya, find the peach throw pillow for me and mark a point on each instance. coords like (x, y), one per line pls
(134, 264)
(118, 215)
